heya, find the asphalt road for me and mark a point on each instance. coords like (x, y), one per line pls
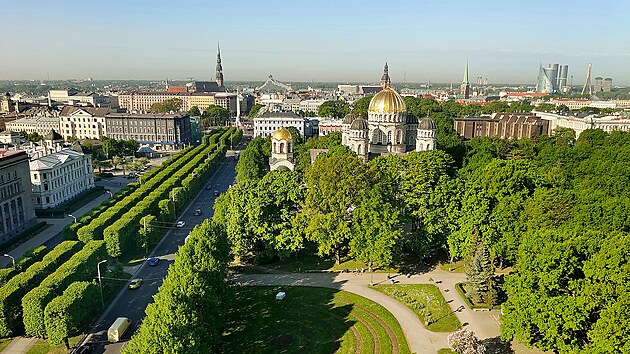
(132, 303)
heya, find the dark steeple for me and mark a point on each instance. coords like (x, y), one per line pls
(385, 80)
(219, 74)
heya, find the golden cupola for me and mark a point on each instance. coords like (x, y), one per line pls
(282, 134)
(387, 101)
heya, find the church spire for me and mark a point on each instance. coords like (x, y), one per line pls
(219, 73)
(385, 80)
(465, 80)
(464, 89)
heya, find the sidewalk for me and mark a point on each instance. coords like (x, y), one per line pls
(19, 345)
(57, 225)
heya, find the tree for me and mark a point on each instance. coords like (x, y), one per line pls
(334, 109)
(360, 106)
(194, 111)
(255, 108)
(34, 137)
(170, 105)
(479, 272)
(214, 116)
(117, 160)
(465, 342)
(295, 134)
(546, 107)
(333, 184)
(253, 162)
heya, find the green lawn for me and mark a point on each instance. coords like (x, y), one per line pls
(454, 267)
(305, 262)
(414, 296)
(309, 320)
(43, 347)
(4, 342)
(446, 351)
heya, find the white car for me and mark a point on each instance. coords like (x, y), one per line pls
(180, 223)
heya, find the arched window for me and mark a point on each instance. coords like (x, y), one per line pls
(389, 137)
(274, 148)
(289, 148)
(420, 147)
(399, 137)
(282, 148)
(359, 149)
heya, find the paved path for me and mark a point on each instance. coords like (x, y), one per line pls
(19, 345)
(484, 324)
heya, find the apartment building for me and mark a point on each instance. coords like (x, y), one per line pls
(17, 212)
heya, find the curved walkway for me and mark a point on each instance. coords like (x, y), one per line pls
(419, 338)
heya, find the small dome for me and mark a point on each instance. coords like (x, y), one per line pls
(387, 101)
(349, 118)
(427, 124)
(359, 124)
(282, 134)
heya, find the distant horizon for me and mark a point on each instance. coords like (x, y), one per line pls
(326, 41)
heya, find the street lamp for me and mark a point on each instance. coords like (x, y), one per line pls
(98, 270)
(74, 217)
(12, 259)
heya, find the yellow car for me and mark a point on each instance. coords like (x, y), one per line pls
(135, 283)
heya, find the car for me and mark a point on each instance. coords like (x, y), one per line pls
(135, 283)
(216, 193)
(209, 187)
(180, 223)
(153, 261)
(197, 212)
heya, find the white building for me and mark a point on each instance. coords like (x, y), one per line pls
(281, 150)
(580, 124)
(268, 122)
(311, 105)
(74, 97)
(40, 125)
(83, 122)
(60, 176)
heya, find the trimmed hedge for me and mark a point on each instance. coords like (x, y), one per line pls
(81, 267)
(122, 235)
(29, 258)
(71, 311)
(12, 292)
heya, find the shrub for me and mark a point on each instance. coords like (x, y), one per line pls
(71, 311)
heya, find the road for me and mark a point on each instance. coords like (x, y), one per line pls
(132, 303)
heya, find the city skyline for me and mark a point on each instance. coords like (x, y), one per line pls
(322, 41)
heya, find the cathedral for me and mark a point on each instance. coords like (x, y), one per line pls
(389, 129)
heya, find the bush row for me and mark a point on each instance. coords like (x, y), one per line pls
(94, 230)
(80, 267)
(12, 292)
(122, 235)
(29, 258)
(71, 311)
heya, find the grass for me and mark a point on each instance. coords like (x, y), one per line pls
(446, 351)
(4, 342)
(461, 290)
(43, 347)
(453, 267)
(414, 296)
(308, 320)
(311, 262)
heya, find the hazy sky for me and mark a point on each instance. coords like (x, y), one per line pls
(313, 40)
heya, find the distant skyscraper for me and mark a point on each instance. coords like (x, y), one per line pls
(219, 73)
(607, 84)
(464, 89)
(552, 79)
(599, 82)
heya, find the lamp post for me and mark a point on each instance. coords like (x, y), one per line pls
(12, 259)
(74, 217)
(174, 212)
(98, 270)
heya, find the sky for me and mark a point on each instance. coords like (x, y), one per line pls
(341, 41)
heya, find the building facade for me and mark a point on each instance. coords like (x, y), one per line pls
(17, 212)
(163, 131)
(580, 124)
(268, 122)
(59, 177)
(502, 125)
(39, 125)
(328, 125)
(83, 122)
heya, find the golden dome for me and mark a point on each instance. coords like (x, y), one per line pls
(387, 101)
(282, 134)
